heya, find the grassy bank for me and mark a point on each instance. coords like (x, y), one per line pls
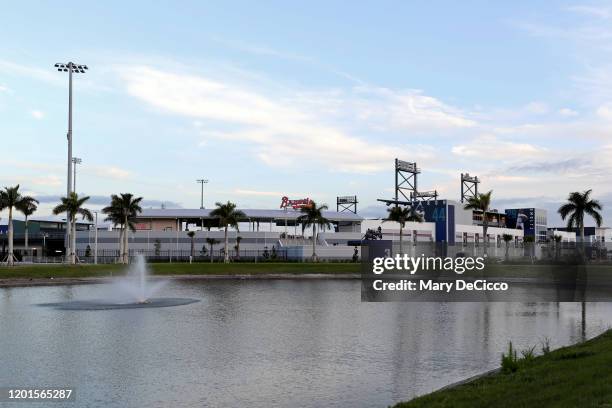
(205, 268)
(575, 376)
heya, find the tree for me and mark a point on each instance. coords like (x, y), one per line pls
(157, 247)
(401, 215)
(73, 205)
(11, 198)
(212, 242)
(313, 216)
(228, 216)
(528, 243)
(557, 239)
(481, 202)
(123, 210)
(507, 238)
(29, 207)
(578, 205)
(191, 234)
(237, 247)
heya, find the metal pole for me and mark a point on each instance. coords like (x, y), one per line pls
(96, 240)
(202, 197)
(69, 183)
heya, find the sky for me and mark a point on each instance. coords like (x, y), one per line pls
(274, 98)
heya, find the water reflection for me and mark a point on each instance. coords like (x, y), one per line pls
(269, 343)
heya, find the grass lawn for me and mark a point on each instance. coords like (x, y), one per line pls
(204, 268)
(575, 376)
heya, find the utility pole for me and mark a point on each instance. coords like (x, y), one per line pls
(75, 161)
(202, 182)
(96, 239)
(71, 68)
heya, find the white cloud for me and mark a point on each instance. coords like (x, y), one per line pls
(567, 112)
(492, 148)
(286, 130)
(600, 12)
(36, 114)
(111, 172)
(278, 194)
(538, 108)
(605, 112)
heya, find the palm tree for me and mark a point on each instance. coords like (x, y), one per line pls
(228, 216)
(313, 215)
(73, 205)
(578, 205)
(401, 215)
(507, 238)
(11, 198)
(238, 239)
(123, 210)
(212, 242)
(481, 202)
(191, 234)
(29, 207)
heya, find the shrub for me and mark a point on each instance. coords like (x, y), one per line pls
(509, 362)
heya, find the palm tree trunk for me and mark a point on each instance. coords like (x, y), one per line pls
(192, 249)
(73, 240)
(226, 254)
(125, 241)
(26, 233)
(10, 259)
(121, 244)
(314, 243)
(401, 251)
(485, 239)
(211, 253)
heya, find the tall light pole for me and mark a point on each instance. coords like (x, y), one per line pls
(96, 239)
(71, 68)
(75, 161)
(202, 182)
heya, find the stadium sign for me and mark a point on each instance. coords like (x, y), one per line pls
(295, 204)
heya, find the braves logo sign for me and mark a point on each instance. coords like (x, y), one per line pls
(295, 204)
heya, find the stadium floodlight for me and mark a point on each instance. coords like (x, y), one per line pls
(71, 68)
(202, 182)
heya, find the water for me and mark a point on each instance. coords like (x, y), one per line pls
(266, 344)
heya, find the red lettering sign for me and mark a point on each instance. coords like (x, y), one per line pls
(295, 204)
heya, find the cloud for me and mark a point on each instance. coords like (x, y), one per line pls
(567, 112)
(45, 75)
(36, 114)
(492, 148)
(294, 129)
(605, 112)
(278, 194)
(594, 11)
(104, 200)
(538, 108)
(111, 172)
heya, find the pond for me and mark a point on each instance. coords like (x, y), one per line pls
(266, 343)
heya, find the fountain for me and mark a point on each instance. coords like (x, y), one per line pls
(130, 292)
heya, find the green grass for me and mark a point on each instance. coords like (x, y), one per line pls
(575, 376)
(204, 268)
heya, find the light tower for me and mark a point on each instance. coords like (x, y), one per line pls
(469, 186)
(202, 182)
(70, 68)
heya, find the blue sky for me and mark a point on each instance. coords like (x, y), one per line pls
(273, 98)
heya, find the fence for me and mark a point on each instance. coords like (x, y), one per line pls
(108, 256)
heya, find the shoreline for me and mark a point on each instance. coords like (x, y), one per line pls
(68, 281)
